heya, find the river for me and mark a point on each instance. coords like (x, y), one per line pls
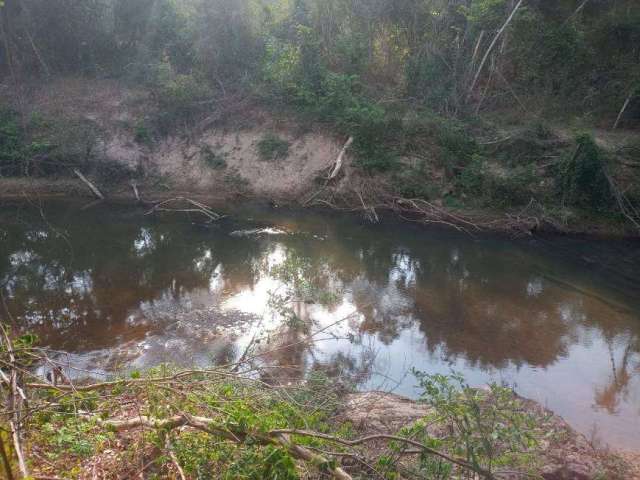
(112, 289)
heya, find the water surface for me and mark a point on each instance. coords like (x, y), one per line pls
(557, 318)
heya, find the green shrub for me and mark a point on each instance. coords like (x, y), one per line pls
(212, 159)
(271, 147)
(491, 189)
(12, 146)
(471, 180)
(490, 428)
(45, 146)
(582, 179)
(410, 182)
(512, 189)
(180, 98)
(142, 133)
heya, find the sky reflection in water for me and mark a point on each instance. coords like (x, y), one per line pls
(558, 319)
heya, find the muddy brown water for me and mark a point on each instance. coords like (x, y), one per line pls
(113, 290)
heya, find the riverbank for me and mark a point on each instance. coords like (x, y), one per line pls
(196, 424)
(245, 150)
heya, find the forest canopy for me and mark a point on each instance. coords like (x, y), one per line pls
(448, 55)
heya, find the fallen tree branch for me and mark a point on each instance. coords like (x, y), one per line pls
(392, 438)
(282, 438)
(433, 214)
(91, 186)
(199, 208)
(229, 433)
(340, 159)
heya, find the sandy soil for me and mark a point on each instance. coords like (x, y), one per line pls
(178, 161)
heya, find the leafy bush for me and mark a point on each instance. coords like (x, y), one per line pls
(180, 98)
(582, 179)
(142, 133)
(496, 190)
(45, 146)
(212, 159)
(512, 189)
(410, 182)
(11, 143)
(271, 147)
(471, 180)
(490, 428)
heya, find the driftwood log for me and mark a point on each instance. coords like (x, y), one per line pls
(91, 186)
(340, 159)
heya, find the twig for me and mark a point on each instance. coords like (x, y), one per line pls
(622, 110)
(576, 11)
(174, 460)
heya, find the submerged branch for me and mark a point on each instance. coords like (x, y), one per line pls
(198, 208)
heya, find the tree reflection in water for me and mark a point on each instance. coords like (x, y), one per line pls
(120, 288)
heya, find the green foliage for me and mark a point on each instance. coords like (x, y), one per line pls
(67, 434)
(142, 133)
(489, 428)
(412, 182)
(12, 148)
(271, 147)
(42, 146)
(181, 98)
(495, 189)
(582, 178)
(213, 160)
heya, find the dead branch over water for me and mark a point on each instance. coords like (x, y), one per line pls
(192, 207)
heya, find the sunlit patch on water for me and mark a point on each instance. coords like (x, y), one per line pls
(558, 319)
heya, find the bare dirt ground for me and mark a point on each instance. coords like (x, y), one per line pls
(177, 160)
(564, 455)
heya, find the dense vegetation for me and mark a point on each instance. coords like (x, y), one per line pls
(440, 82)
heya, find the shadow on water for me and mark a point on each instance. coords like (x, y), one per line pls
(558, 318)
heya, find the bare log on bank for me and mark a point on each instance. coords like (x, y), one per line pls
(91, 186)
(340, 159)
